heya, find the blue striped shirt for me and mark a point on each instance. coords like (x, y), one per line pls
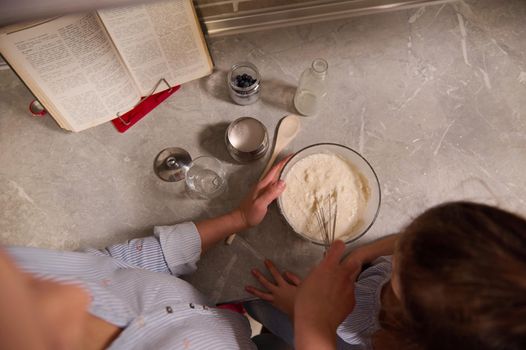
(134, 285)
(358, 328)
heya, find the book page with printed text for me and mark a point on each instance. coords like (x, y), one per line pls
(72, 67)
(157, 40)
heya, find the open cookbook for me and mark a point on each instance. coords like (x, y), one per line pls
(87, 69)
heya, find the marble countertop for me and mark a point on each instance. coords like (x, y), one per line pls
(434, 98)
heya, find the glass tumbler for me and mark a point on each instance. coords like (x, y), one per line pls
(206, 178)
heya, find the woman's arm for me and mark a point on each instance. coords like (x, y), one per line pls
(216, 229)
(177, 248)
(250, 213)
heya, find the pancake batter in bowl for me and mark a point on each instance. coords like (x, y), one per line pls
(315, 178)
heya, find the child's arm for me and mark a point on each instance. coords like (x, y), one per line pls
(371, 251)
(282, 291)
(314, 338)
(323, 301)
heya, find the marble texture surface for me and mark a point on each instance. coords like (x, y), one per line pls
(434, 98)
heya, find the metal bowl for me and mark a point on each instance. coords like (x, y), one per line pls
(361, 164)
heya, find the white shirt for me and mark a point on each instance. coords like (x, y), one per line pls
(135, 285)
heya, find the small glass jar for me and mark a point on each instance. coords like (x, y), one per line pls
(244, 83)
(312, 88)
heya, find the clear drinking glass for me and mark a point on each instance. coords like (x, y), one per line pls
(312, 88)
(206, 177)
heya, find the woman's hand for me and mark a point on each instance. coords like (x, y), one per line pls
(324, 300)
(254, 206)
(250, 213)
(281, 293)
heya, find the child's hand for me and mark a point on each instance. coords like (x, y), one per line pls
(282, 293)
(325, 298)
(254, 207)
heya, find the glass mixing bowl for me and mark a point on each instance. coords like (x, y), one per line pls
(361, 164)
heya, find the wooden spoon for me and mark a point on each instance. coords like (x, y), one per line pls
(287, 130)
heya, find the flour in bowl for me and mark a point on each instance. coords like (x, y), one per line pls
(315, 178)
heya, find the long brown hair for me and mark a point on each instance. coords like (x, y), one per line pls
(462, 273)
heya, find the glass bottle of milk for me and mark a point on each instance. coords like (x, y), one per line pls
(312, 88)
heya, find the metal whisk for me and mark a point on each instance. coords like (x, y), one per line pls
(326, 215)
